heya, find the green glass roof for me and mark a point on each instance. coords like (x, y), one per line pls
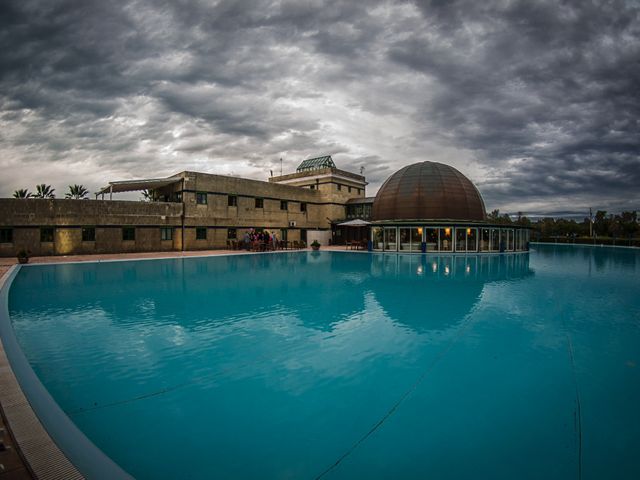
(316, 164)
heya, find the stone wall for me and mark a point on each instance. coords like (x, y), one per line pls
(305, 211)
(28, 217)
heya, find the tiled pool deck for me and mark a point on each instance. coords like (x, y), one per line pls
(29, 451)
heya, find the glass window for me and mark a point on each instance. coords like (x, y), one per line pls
(495, 240)
(46, 234)
(312, 187)
(201, 233)
(358, 191)
(283, 234)
(390, 239)
(431, 238)
(303, 235)
(416, 239)
(177, 197)
(284, 205)
(405, 240)
(6, 235)
(339, 186)
(472, 239)
(166, 233)
(232, 234)
(461, 239)
(128, 233)
(377, 238)
(232, 201)
(446, 239)
(303, 207)
(485, 238)
(503, 240)
(349, 189)
(88, 234)
(259, 202)
(201, 198)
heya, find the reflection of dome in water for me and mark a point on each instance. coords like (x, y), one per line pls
(436, 293)
(428, 191)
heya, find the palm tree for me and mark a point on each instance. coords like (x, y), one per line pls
(44, 191)
(147, 195)
(22, 193)
(77, 192)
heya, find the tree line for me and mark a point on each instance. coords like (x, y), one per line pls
(76, 192)
(601, 225)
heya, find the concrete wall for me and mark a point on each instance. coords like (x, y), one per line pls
(27, 217)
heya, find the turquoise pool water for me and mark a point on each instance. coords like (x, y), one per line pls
(346, 365)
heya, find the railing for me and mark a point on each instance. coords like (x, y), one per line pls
(620, 242)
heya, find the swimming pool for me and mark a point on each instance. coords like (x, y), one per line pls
(345, 365)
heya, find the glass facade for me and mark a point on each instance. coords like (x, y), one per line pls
(390, 239)
(462, 238)
(485, 239)
(431, 239)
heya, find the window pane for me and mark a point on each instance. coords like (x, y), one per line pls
(88, 234)
(232, 234)
(472, 239)
(495, 239)
(46, 234)
(446, 239)
(376, 237)
(283, 205)
(416, 239)
(6, 235)
(201, 198)
(232, 201)
(201, 233)
(390, 240)
(485, 237)
(431, 238)
(259, 203)
(128, 233)
(405, 239)
(461, 239)
(303, 207)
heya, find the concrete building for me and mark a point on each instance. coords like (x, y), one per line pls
(424, 207)
(187, 211)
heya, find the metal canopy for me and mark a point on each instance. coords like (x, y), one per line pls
(355, 223)
(316, 164)
(133, 185)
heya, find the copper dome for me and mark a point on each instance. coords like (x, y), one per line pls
(428, 191)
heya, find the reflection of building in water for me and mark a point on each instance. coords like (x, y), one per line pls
(432, 207)
(446, 287)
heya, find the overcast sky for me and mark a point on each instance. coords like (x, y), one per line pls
(537, 102)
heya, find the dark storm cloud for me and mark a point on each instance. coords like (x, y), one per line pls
(537, 101)
(556, 86)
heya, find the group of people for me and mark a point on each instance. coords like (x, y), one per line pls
(262, 238)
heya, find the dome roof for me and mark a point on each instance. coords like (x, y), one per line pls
(428, 191)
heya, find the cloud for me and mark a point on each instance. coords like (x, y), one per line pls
(537, 102)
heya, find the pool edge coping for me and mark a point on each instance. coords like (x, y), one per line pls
(43, 457)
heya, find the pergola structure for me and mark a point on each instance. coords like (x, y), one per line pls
(135, 185)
